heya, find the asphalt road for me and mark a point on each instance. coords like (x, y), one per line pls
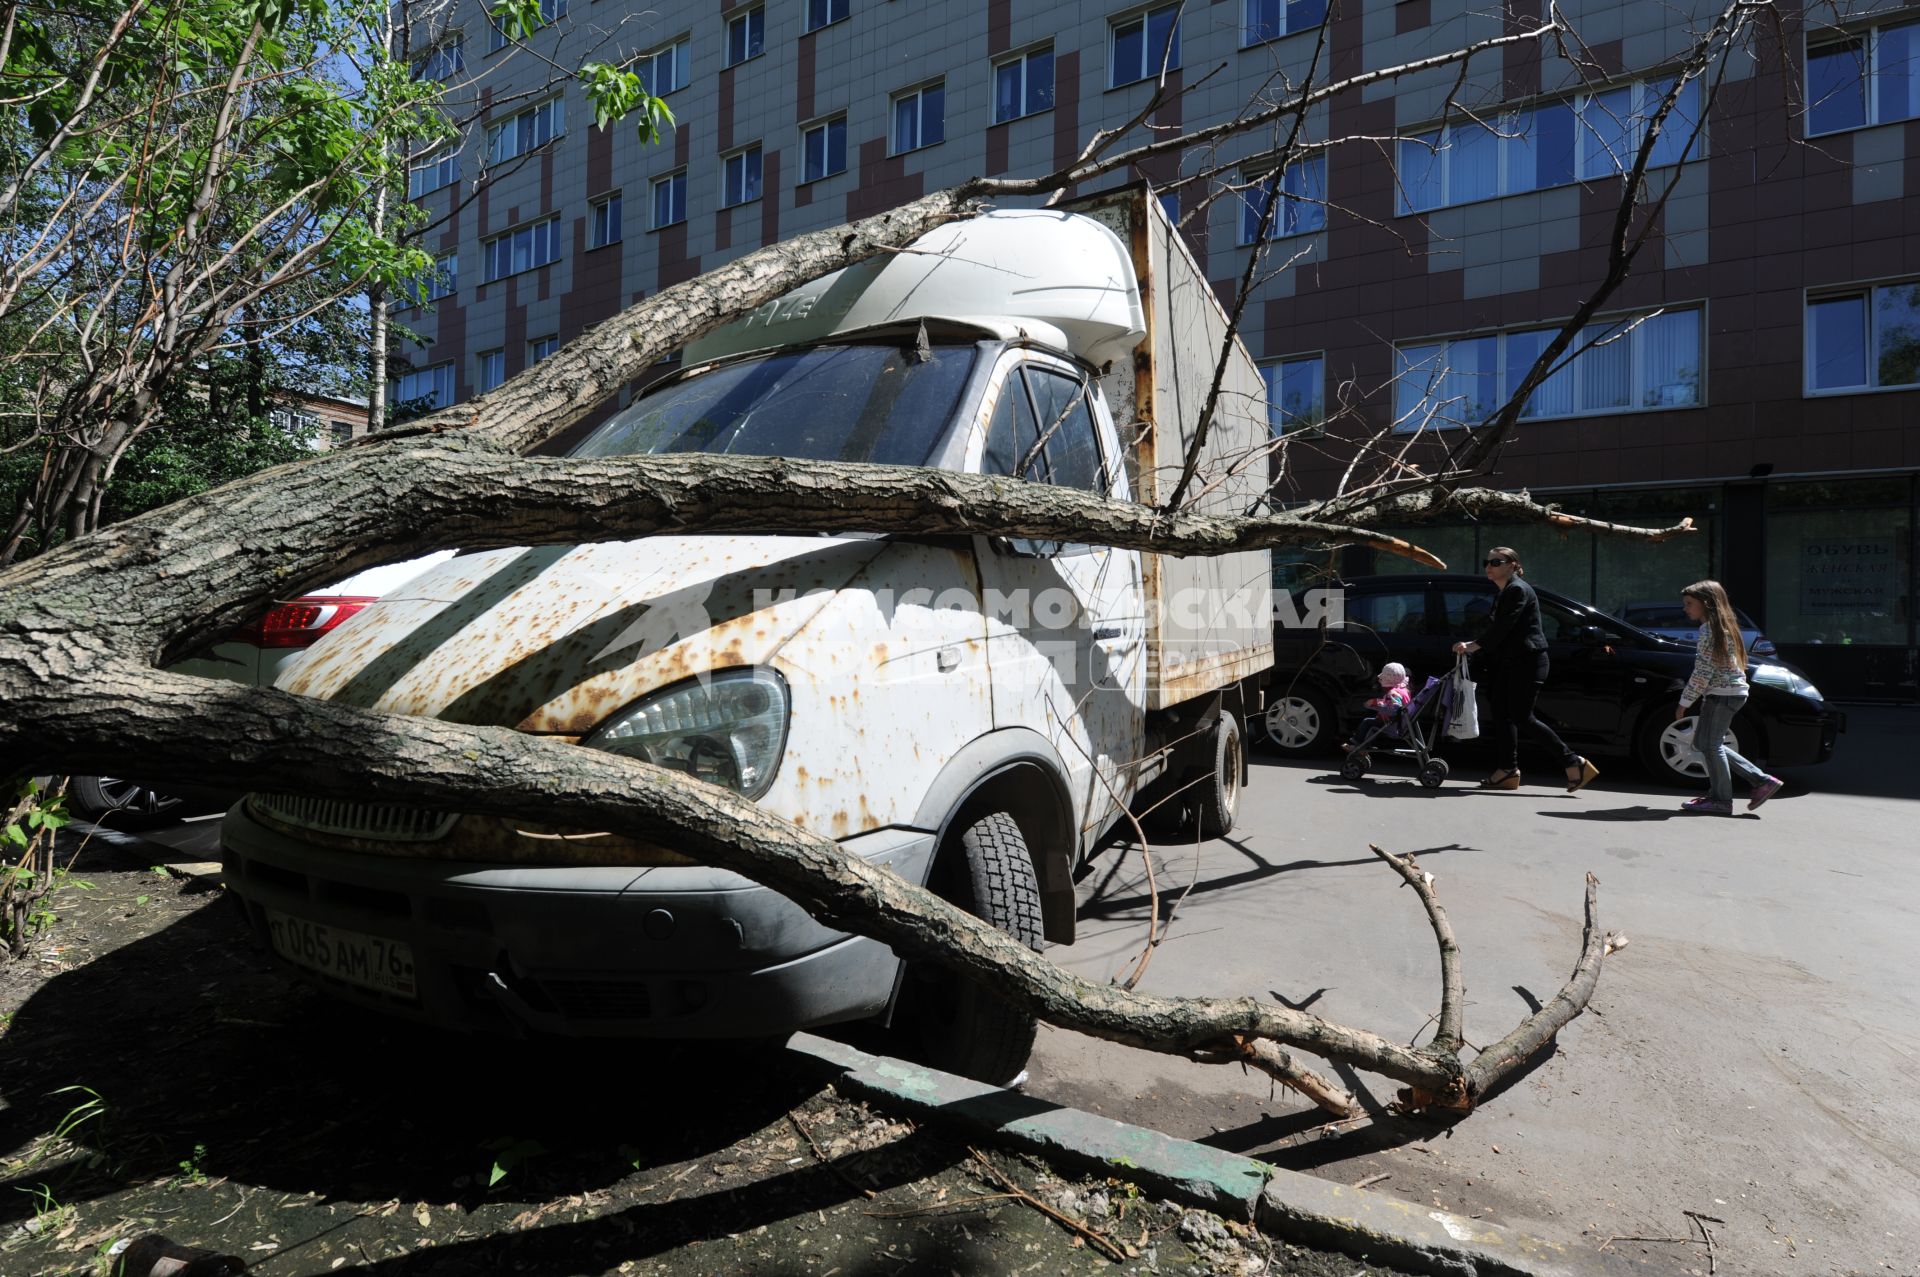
(1752, 1055)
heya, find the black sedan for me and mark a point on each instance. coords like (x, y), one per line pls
(1612, 691)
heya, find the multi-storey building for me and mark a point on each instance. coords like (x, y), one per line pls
(1758, 372)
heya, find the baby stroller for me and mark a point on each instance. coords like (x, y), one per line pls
(1410, 733)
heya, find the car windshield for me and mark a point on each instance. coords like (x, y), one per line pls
(885, 404)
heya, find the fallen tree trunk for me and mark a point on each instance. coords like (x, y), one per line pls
(82, 628)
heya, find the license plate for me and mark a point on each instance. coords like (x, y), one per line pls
(372, 962)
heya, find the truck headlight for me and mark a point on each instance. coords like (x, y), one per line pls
(1785, 679)
(728, 728)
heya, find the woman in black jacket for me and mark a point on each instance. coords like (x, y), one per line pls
(1511, 664)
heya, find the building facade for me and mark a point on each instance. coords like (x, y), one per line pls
(1759, 372)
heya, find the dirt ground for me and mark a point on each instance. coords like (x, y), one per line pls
(160, 1075)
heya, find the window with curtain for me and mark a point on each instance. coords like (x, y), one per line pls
(1629, 363)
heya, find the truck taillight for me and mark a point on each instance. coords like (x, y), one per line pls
(300, 623)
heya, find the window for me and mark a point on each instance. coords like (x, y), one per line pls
(442, 281)
(605, 228)
(424, 389)
(518, 134)
(446, 60)
(1043, 432)
(434, 172)
(549, 11)
(867, 402)
(664, 70)
(540, 347)
(1632, 363)
(669, 199)
(342, 431)
(740, 179)
(1386, 611)
(1264, 20)
(824, 150)
(1023, 85)
(523, 249)
(746, 35)
(1296, 394)
(1303, 201)
(491, 370)
(822, 13)
(1543, 145)
(1870, 77)
(1866, 339)
(1140, 43)
(920, 118)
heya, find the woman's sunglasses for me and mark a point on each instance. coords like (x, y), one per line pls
(1498, 563)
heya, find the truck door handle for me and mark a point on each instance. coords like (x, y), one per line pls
(1102, 632)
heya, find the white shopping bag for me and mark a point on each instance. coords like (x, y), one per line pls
(1464, 723)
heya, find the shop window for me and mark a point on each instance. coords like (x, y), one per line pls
(1839, 562)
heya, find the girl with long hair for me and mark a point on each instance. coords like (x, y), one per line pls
(1719, 688)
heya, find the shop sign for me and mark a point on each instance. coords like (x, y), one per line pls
(1847, 576)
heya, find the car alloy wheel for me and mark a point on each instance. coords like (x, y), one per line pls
(1678, 753)
(1297, 722)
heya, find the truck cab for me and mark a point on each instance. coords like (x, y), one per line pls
(973, 712)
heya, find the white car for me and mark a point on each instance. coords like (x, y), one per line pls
(257, 653)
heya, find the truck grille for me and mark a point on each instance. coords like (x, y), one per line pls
(378, 822)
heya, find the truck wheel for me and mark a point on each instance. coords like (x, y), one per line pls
(1299, 722)
(1220, 792)
(962, 1028)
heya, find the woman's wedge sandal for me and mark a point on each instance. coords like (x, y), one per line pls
(1587, 772)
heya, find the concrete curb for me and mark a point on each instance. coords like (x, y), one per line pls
(1286, 1204)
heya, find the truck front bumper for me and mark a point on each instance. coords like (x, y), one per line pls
(680, 952)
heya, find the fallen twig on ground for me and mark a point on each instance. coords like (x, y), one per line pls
(1094, 1237)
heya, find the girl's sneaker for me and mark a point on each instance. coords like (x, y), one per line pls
(1763, 791)
(1707, 807)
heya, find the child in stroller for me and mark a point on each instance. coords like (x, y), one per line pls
(1396, 727)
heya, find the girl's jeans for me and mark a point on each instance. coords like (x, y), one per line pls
(1710, 738)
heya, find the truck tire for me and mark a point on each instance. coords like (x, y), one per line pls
(1220, 792)
(961, 1027)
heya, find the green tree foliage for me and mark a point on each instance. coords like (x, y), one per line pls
(180, 184)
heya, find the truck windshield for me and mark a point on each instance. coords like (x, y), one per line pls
(879, 403)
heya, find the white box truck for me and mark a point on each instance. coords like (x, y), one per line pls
(975, 712)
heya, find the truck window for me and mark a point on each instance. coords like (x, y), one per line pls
(872, 403)
(1052, 434)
